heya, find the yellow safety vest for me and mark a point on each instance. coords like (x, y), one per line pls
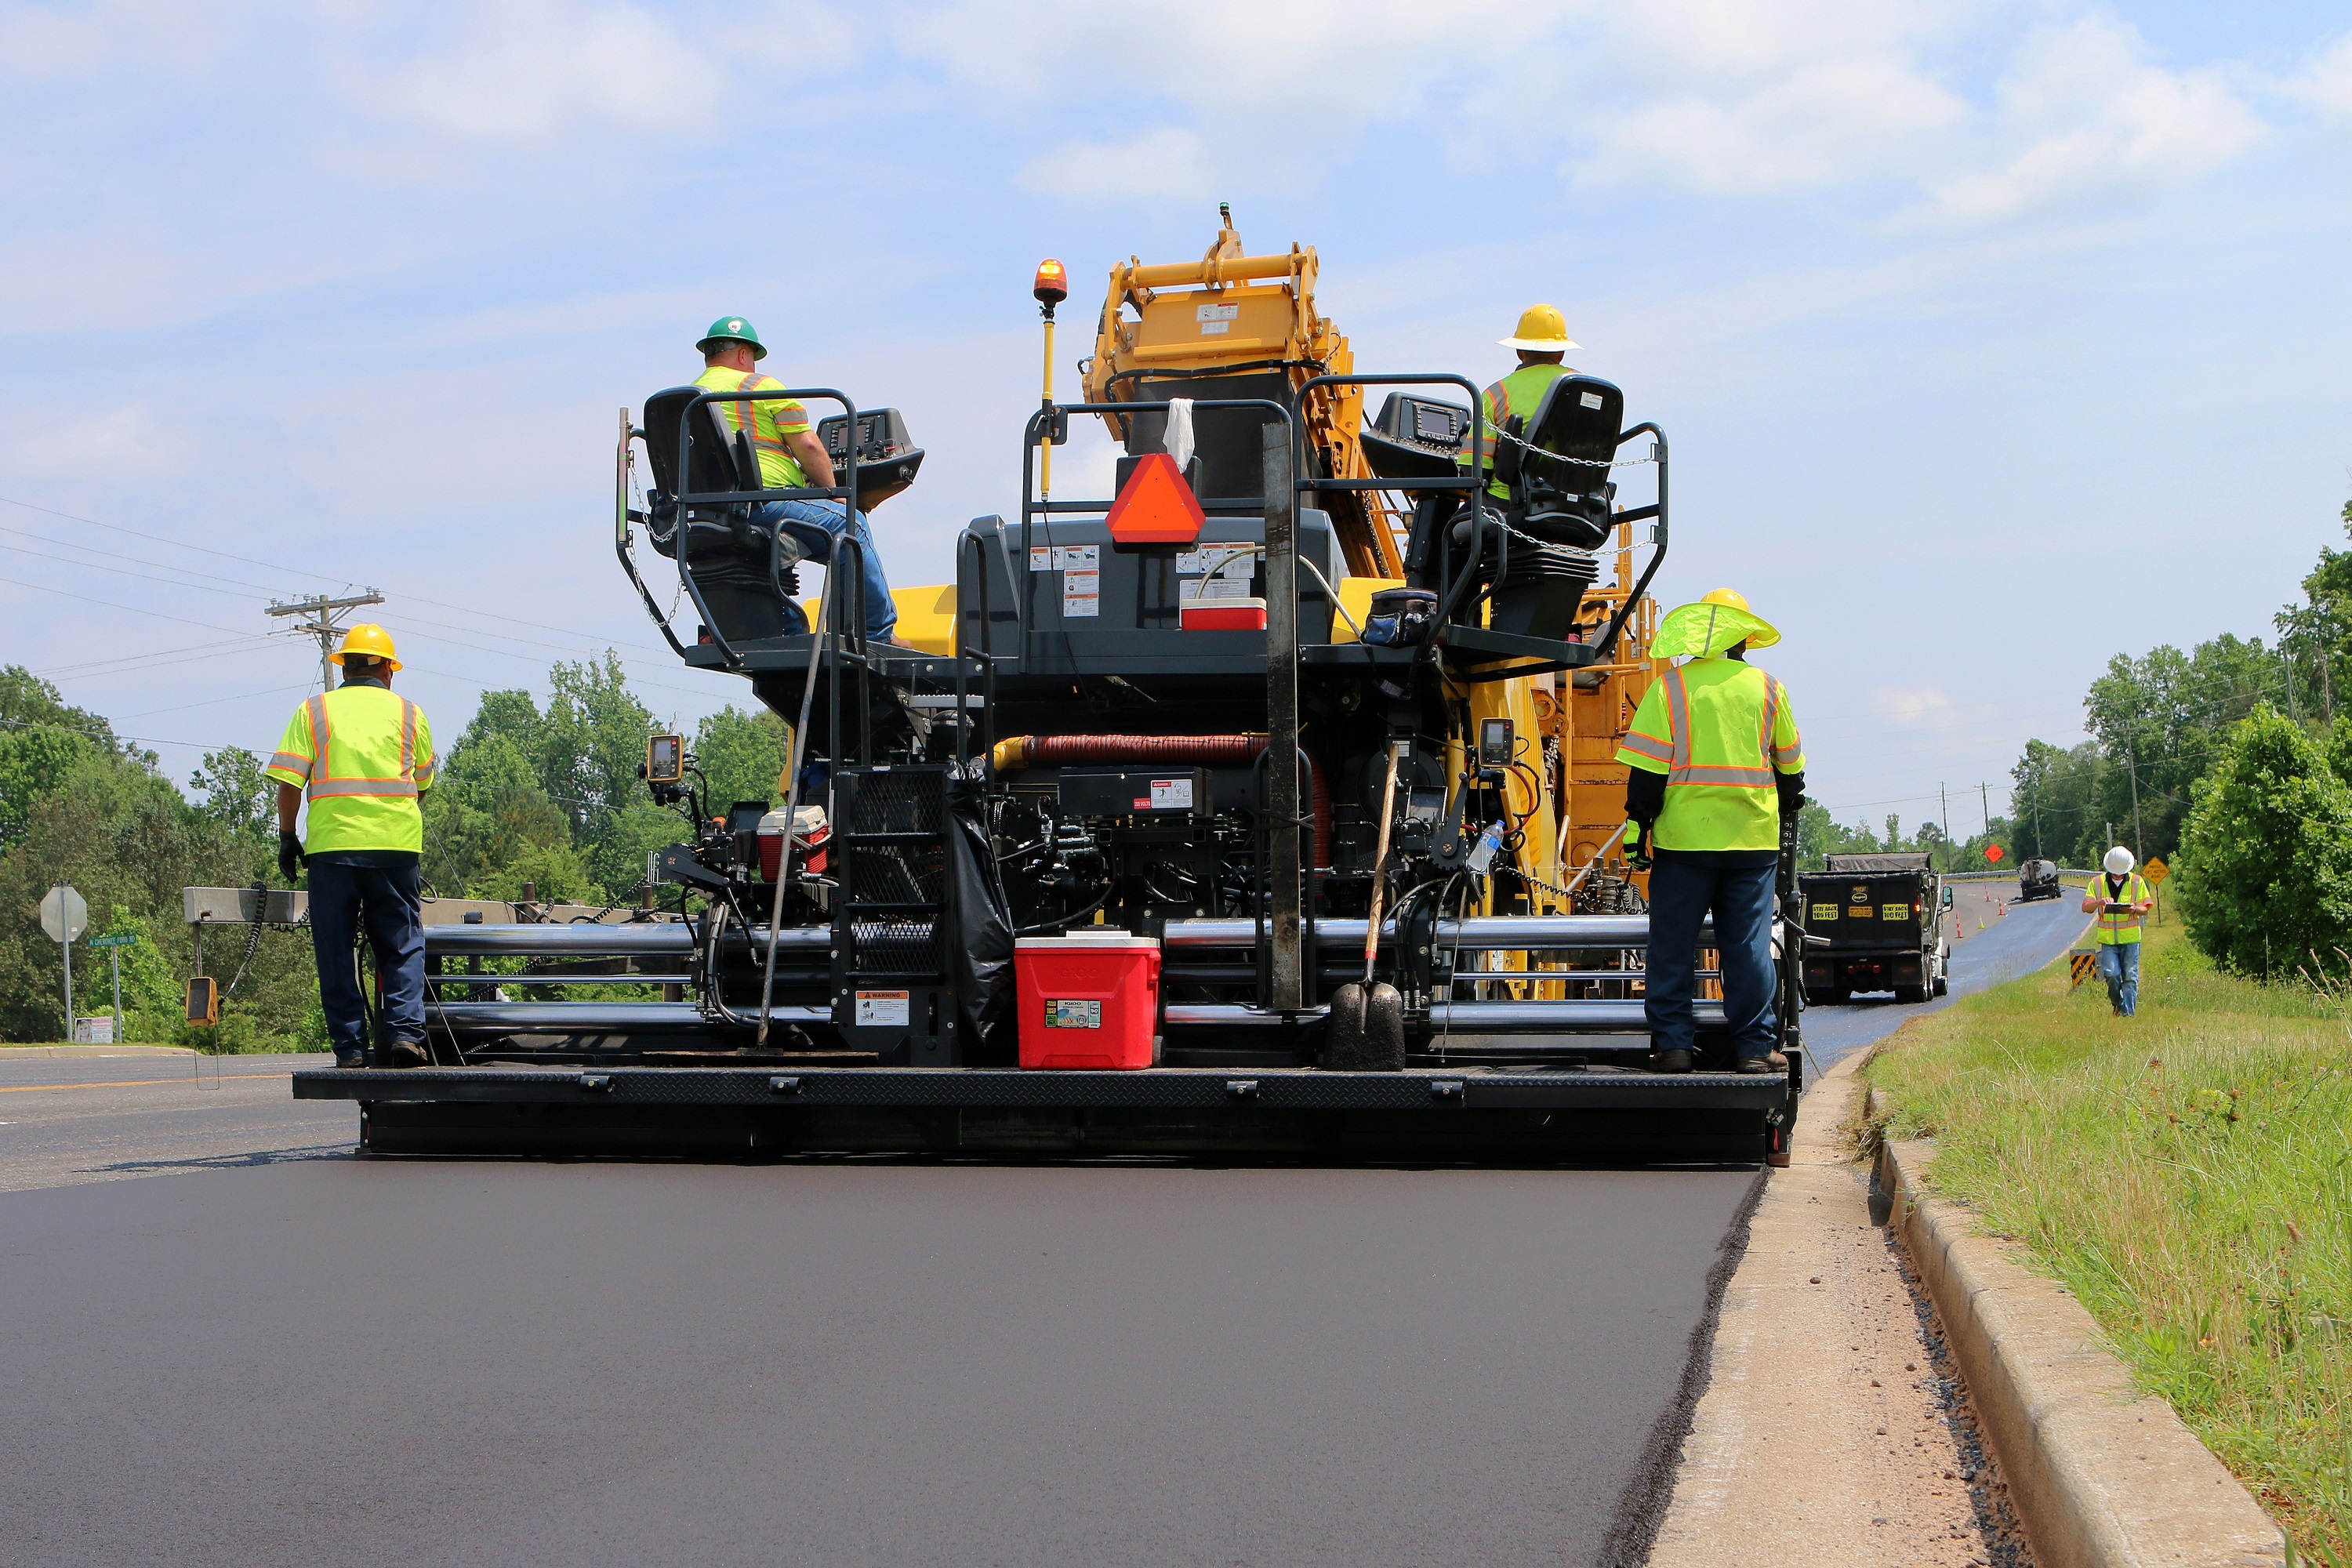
(1718, 729)
(773, 419)
(363, 756)
(2107, 929)
(1519, 394)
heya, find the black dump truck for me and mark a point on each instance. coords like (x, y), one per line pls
(1874, 922)
(2037, 879)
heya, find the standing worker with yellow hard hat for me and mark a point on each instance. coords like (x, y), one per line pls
(1543, 343)
(363, 757)
(1717, 765)
(792, 458)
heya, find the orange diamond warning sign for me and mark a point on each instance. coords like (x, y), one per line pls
(1156, 506)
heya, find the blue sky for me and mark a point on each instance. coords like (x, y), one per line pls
(1993, 338)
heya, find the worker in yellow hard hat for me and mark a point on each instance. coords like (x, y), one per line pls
(363, 757)
(1543, 343)
(1717, 767)
(792, 458)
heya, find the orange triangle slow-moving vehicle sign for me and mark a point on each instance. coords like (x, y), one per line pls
(1156, 506)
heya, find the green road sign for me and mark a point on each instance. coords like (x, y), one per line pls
(119, 939)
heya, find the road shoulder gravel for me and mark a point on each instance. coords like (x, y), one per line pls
(1828, 1434)
(2106, 1476)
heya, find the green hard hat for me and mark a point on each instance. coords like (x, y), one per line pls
(733, 328)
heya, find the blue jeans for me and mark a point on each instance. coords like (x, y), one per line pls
(816, 525)
(1681, 894)
(380, 890)
(2119, 967)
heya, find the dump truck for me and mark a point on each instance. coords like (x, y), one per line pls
(1265, 804)
(1875, 922)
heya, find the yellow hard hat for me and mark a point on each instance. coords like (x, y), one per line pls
(1764, 636)
(1543, 330)
(369, 641)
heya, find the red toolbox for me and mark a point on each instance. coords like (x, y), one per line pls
(1090, 999)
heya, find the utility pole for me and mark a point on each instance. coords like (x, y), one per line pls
(2131, 761)
(1984, 799)
(325, 623)
(1944, 799)
(2039, 848)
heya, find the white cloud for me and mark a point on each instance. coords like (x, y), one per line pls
(1914, 708)
(534, 70)
(2092, 118)
(2327, 84)
(1170, 163)
(125, 443)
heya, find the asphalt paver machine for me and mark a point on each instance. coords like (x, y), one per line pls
(1302, 734)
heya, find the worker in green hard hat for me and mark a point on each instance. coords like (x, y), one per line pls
(1715, 764)
(1542, 342)
(792, 458)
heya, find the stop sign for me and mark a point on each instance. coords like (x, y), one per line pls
(1992, 852)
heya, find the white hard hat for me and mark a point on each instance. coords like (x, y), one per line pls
(2119, 861)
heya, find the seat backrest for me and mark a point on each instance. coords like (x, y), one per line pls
(717, 459)
(1580, 416)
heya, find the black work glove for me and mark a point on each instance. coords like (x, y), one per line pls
(289, 856)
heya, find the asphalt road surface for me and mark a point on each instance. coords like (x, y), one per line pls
(2009, 944)
(298, 1357)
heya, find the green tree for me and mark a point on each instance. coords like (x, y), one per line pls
(2162, 719)
(743, 755)
(2267, 847)
(238, 796)
(2055, 793)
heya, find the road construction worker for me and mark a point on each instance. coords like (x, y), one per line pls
(1543, 343)
(2119, 896)
(1717, 765)
(792, 458)
(363, 757)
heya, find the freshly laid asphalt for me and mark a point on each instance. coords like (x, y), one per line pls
(300, 1357)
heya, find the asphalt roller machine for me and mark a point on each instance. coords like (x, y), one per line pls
(1309, 728)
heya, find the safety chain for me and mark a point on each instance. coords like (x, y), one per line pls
(1502, 435)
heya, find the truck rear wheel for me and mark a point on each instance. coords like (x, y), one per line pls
(1943, 986)
(1908, 994)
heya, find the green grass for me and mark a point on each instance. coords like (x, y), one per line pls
(2188, 1174)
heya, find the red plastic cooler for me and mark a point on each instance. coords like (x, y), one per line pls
(1090, 999)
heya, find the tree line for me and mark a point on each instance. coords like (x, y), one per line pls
(531, 795)
(2230, 762)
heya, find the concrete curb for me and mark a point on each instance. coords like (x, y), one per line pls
(14, 1053)
(2102, 1475)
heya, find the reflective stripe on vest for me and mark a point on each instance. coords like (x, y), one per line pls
(1682, 770)
(325, 785)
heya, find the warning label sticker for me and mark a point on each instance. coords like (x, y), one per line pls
(1081, 593)
(1215, 313)
(1063, 557)
(1234, 557)
(884, 1008)
(1172, 795)
(1825, 911)
(1060, 1015)
(1895, 911)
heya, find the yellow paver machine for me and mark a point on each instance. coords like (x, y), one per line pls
(1266, 804)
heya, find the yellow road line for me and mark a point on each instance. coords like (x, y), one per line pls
(130, 1082)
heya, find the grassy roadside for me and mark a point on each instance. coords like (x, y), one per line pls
(2188, 1174)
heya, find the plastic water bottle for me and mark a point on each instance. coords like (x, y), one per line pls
(1482, 854)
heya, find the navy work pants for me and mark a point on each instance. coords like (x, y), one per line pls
(378, 891)
(1681, 894)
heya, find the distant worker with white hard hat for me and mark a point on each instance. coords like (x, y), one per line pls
(1543, 343)
(1717, 767)
(364, 759)
(791, 457)
(2120, 896)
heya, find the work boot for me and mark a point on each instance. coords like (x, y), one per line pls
(354, 1057)
(408, 1054)
(1755, 1067)
(1669, 1061)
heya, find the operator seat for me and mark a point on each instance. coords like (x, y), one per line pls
(729, 556)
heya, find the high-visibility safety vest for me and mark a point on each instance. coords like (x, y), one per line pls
(1718, 729)
(773, 419)
(1519, 394)
(363, 756)
(2107, 929)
